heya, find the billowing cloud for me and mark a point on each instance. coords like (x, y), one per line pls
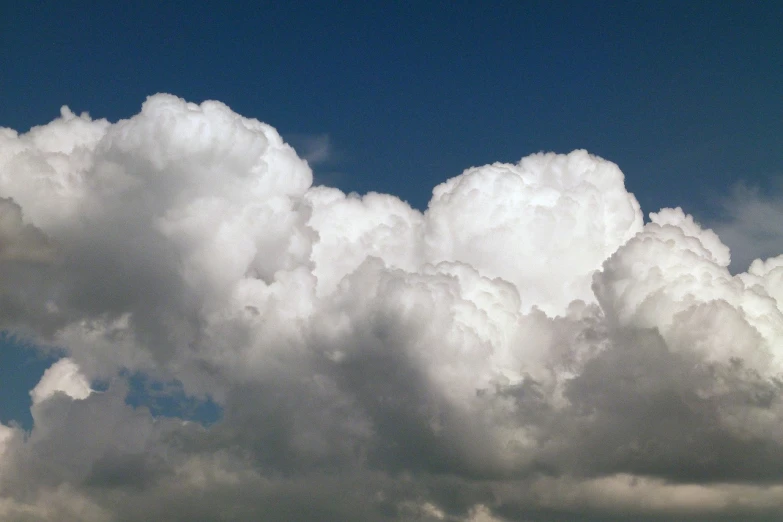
(526, 348)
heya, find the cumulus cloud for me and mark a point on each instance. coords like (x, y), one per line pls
(526, 348)
(62, 377)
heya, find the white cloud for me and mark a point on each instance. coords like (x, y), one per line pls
(545, 224)
(524, 349)
(62, 377)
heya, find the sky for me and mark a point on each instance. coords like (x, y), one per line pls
(461, 261)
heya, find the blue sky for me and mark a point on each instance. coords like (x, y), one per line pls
(683, 96)
(397, 97)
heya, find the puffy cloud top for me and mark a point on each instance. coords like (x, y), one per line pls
(62, 377)
(545, 224)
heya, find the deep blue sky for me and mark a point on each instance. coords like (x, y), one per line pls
(685, 96)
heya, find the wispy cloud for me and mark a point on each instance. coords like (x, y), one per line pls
(751, 224)
(316, 149)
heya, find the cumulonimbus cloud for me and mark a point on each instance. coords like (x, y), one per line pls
(526, 348)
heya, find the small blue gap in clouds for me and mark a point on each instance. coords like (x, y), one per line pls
(168, 399)
(21, 367)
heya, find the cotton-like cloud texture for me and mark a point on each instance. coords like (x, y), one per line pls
(526, 349)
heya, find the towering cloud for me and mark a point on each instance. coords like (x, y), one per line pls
(524, 349)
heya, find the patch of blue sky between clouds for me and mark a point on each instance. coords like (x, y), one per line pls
(168, 399)
(21, 367)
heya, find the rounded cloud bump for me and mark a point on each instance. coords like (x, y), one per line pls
(524, 349)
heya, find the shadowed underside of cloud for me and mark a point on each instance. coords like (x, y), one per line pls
(525, 349)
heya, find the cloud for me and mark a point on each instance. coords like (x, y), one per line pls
(62, 377)
(749, 224)
(545, 224)
(20, 242)
(314, 148)
(524, 349)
